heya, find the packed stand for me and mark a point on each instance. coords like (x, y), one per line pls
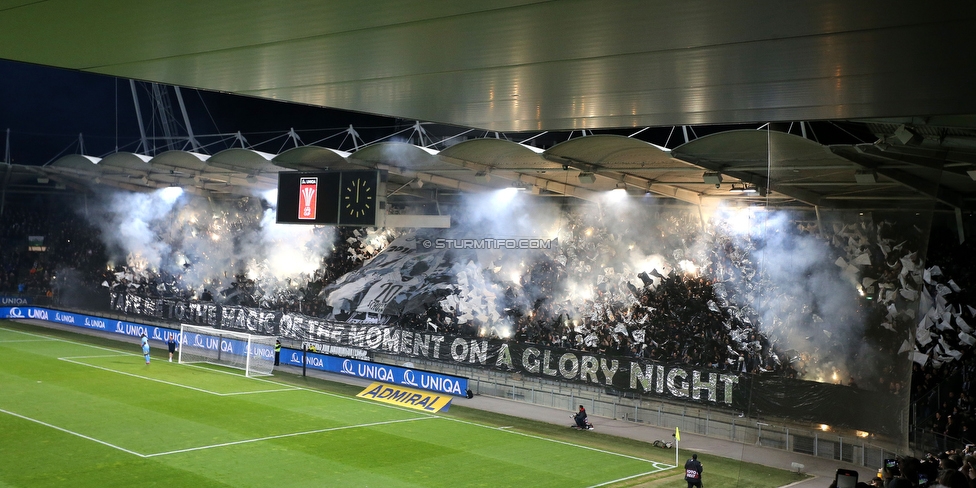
(697, 304)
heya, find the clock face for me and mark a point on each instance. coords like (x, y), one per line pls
(358, 198)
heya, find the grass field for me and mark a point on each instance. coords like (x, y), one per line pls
(84, 411)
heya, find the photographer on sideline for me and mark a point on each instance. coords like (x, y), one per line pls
(693, 472)
(580, 418)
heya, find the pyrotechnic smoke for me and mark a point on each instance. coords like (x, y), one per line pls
(781, 281)
(766, 274)
(200, 243)
(802, 300)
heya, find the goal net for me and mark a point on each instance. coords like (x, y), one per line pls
(252, 353)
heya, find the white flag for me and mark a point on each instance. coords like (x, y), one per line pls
(920, 357)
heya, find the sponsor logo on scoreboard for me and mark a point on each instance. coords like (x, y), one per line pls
(308, 189)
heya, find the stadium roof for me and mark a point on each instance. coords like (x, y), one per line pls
(522, 66)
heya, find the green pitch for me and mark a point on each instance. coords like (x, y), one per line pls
(74, 413)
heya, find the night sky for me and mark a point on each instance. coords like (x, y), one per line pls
(46, 108)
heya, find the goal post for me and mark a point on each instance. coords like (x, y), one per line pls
(252, 353)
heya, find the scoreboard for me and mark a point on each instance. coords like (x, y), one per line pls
(351, 198)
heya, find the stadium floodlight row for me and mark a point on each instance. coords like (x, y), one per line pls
(252, 353)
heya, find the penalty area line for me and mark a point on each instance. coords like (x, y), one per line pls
(293, 434)
(120, 355)
(170, 383)
(83, 436)
(258, 391)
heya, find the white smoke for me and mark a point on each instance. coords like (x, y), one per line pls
(802, 300)
(198, 242)
(781, 281)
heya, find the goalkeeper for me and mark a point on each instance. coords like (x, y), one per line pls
(145, 347)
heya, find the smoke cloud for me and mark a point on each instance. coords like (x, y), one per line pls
(197, 243)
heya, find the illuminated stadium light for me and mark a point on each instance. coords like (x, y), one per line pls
(744, 188)
(617, 194)
(170, 194)
(503, 196)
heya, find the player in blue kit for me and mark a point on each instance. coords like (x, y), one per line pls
(145, 347)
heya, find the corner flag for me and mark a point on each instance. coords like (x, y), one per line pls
(677, 438)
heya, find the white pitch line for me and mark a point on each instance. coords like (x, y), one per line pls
(83, 436)
(69, 342)
(660, 466)
(800, 481)
(142, 377)
(120, 355)
(312, 390)
(626, 478)
(170, 383)
(294, 434)
(26, 340)
(257, 391)
(655, 463)
(336, 395)
(15, 331)
(215, 370)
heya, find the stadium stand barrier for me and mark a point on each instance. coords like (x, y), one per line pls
(706, 421)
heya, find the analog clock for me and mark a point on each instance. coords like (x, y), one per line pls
(358, 199)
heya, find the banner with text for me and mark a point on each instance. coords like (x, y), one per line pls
(442, 383)
(766, 395)
(406, 397)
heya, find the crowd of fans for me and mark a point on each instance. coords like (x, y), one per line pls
(942, 391)
(702, 315)
(69, 245)
(953, 468)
